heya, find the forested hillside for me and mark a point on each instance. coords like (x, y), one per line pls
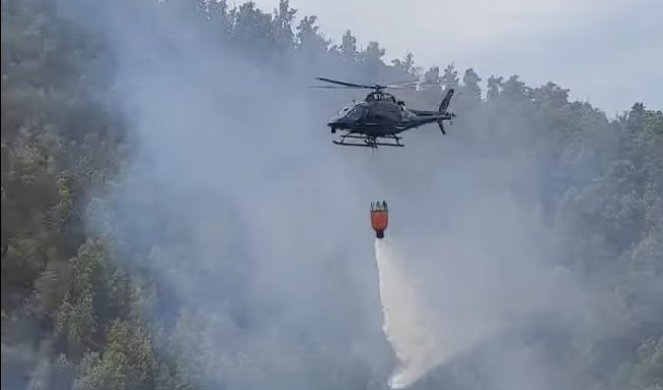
(86, 304)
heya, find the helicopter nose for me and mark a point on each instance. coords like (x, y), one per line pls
(335, 122)
(333, 126)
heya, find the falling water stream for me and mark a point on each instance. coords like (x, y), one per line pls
(407, 322)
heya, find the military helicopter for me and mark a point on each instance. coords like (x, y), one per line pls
(381, 116)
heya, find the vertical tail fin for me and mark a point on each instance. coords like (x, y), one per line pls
(443, 108)
(447, 99)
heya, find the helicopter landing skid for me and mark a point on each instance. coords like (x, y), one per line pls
(369, 142)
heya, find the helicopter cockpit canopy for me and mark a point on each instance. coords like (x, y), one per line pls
(357, 113)
(342, 112)
(352, 112)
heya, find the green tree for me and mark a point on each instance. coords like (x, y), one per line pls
(494, 88)
(551, 95)
(406, 65)
(309, 39)
(127, 362)
(348, 46)
(253, 30)
(432, 76)
(371, 58)
(471, 89)
(514, 89)
(449, 77)
(220, 19)
(282, 20)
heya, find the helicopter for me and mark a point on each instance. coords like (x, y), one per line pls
(380, 116)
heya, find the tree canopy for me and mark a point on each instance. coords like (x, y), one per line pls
(73, 309)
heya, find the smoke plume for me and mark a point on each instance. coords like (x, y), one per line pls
(443, 299)
(253, 225)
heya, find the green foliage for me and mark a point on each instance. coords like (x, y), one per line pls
(309, 39)
(61, 148)
(471, 89)
(348, 47)
(449, 77)
(494, 88)
(282, 21)
(127, 362)
(406, 65)
(97, 293)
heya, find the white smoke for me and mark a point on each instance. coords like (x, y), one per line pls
(437, 309)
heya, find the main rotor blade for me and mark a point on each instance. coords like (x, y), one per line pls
(399, 86)
(344, 83)
(333, 87)
(405, 84)
(415, 84)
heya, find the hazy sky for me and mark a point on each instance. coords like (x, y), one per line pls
(609, 52)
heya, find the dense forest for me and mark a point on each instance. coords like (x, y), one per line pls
(84, 302)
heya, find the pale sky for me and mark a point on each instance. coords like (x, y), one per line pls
(608, 52)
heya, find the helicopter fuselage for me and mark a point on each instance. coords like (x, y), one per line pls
(380, 115)
(379, 118)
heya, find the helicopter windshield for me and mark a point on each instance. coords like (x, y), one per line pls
(356, 113)
(342, 112)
